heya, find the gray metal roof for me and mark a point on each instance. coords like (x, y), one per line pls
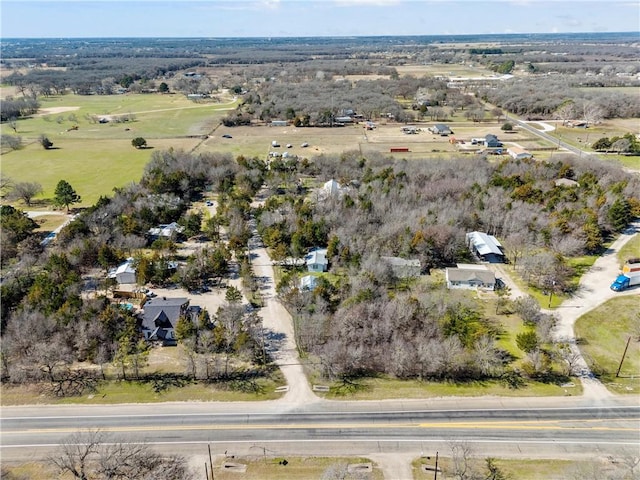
(485, 244)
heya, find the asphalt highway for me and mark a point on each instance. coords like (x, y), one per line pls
(594, 428)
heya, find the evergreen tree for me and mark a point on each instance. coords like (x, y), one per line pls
(65, 195)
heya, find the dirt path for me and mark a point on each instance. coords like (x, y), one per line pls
(394, 466)
(279, 334)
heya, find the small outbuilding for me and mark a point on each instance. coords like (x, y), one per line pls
(125, 273)
(332, 187)
(402, 267)
(170, 230)
(308, 282)
(519, 153)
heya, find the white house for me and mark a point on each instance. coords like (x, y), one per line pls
(519, 153)
(308, 282)
(125, 273)
(166, 230)
(332, 187)
(470, 277)
(316, 260)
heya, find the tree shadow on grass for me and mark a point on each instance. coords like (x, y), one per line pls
(161, 382)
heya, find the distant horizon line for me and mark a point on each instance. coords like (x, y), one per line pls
(262, 37)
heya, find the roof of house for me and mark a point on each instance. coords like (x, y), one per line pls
(125, 267)
(471, 266)
(471, 275)
(166, 230)
(308, 282)
(441, 126)
(317, 257)
(163, 311)
(332, 187)
(485, 244)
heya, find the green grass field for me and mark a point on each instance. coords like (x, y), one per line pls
(603, 334)
(387, 388)
(96, 157)
(630, 250)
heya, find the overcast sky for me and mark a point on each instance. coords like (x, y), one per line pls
(294, 18)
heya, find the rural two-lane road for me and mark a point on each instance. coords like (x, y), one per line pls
(332, 427)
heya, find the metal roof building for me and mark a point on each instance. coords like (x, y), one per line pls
(485, 246)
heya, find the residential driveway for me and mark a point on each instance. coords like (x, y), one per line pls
(593, 290)
(279, 333)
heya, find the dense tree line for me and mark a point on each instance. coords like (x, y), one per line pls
(14, 108)
(537, 98)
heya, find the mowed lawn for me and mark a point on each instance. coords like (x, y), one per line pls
(92, 167)
(603, 334)
(97, 157)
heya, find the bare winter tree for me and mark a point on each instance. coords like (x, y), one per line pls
(570, 356)
(92, 455)
(461, 457)
(25, 191)
(77, 452)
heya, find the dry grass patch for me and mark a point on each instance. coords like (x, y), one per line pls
(48, 223)
(520, 469)
(294, 468)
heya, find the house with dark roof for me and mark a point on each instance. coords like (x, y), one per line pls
(160, 316)
(490, 140)
(486, 247)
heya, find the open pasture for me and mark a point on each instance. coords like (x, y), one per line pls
(99, 156)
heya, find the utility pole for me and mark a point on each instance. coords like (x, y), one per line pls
(623, 355)
(210, 462)
(435, 470)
